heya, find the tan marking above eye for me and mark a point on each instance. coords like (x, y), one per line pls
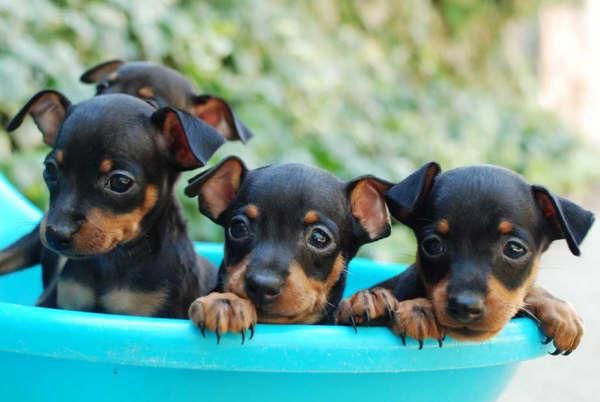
(505, 227)
(106, 165)
(134, 302)
(103, 230)
(252, 211)
(443, 226)
(59, 156)
(146, 92)
(73, 295)
(311, 217)
(112, 76)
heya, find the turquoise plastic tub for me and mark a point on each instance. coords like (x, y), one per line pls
(52, 355)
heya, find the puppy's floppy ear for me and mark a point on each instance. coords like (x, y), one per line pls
(566, 220)
(217, 187)
(217, 113)
(190, 142)
(98, 72)
(48, 109)
(367, 203)
(406, 197)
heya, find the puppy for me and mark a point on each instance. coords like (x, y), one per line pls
(148, 80)
(480, 231)
(290, 232)
(113, 239)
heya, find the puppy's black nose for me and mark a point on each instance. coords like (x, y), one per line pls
(59, 237)
(263, 287)
(466, 307)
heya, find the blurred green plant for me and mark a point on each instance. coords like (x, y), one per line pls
(352, 86)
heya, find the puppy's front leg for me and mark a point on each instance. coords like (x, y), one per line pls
(378, 303)
(558, 319)
(223, 312)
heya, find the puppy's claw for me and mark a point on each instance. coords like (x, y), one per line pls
(367, 317)
(441, 342)
(353, 324)
(420, 344)
(243, 332)
(251, 331)
(556, 352)
(547, 340)
(403, 338)
(567, 353)
(203, 330)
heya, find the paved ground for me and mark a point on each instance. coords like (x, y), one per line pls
(575, 378)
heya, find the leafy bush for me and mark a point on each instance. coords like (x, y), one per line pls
(354, 87)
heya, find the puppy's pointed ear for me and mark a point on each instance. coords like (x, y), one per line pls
(216, 188)
(98, 72)
(405, 198)
(566, 220)
(189, 141)
(217, 113)
(367, 203)
(48, 109)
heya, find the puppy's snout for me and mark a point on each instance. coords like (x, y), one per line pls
(60, 237)
(263, 287)
(466, 307)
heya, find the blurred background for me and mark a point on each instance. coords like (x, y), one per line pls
(355, 87)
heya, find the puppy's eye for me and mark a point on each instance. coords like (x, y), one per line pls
(433, 246)
(119, 182)
(319, 238)
(514, 249)
(50, 172)
(238, 230)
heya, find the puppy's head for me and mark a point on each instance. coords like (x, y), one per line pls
(290, 232)
(112, 167)
(480, 233)
(148, 80)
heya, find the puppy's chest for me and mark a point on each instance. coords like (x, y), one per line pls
(84, 289)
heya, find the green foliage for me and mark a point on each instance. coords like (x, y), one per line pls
(352, 86)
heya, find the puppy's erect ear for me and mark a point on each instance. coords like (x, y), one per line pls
(405, 198)
(367, 203)
(566, 220)
(190, 142)
(217, 187)
(217, 113)
(48, 109)
(98, 72)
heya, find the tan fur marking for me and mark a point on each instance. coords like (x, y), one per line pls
(505, 227)
(443, 226)
(303, 299)
(235, 281)
(501, 305)
(60, 156)
(106, 165)
(102, 231)
(112, 76)
(146, 92)
(311, 217)
(252, 211)
(73, 295)
(126, 301)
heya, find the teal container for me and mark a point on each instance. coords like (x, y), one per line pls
(53, 355)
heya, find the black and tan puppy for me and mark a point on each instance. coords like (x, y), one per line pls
(149, 80)
(290, 231)
(480, 232)
(113, 239)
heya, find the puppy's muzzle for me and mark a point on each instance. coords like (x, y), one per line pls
(466, 307)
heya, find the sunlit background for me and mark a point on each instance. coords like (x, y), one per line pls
(357, 87)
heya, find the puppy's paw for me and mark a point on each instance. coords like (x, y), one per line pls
(559, 321)
(415, 318)
(223, 312)
(366, 305)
